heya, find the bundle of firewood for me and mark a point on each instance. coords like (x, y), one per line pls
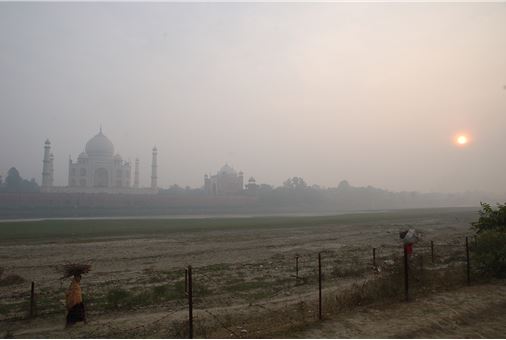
(75, 269)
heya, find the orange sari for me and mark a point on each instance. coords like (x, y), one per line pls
(73, 296)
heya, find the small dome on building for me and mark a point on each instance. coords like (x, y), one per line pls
(251, 180)
(343, 185)
(100, 145)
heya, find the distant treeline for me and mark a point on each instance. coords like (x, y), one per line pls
(21, 198)
(295, 194)
(15, 183)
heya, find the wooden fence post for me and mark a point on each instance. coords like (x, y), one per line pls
(432, 251)
(319, 286)
(186, 281)
(468, 265)
(374, 257)
(406, 270)
(32, 300)
(190, 303)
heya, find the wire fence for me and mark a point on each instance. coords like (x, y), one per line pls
(286, 290)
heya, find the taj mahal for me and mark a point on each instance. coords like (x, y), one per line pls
(98, 170)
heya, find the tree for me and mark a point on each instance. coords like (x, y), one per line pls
(265, 188)
(15, 183)
(490, 253)
(344, 186)
(295, 183)
(30, 186)
(491, 219)
(13, 180)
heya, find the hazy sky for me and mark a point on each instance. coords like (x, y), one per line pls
(371, 93)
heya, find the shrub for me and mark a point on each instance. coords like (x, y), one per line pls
(490, 218)
(490, 253)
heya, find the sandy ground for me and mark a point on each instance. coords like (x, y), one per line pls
(244, 272)
(470, 312)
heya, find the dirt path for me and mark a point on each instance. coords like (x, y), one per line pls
(470, 312)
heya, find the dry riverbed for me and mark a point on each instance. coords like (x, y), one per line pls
(243, 276)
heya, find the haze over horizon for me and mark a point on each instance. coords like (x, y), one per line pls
(374, 93)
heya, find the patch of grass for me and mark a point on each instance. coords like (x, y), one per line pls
(41, 231)
(218, 267)
(49, 304)
(12, 279)
(117, 298)
(166, 292)
(199, 289)
(389, 285)
(153, 276)
(248, 285)
(233, 280)
(256, 290)
(17, 307)
(354, 268)
(378, 290)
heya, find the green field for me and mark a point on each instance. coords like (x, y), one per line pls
(44, 230)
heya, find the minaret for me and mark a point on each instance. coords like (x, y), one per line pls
(51, 169)
(241, 180)
(207, 184)
(136, 174)
(154, 165)
(47, 166)
(70, 171)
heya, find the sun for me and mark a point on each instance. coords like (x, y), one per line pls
(462, 140)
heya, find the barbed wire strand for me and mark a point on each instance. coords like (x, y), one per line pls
(221, 323)
(132, 329)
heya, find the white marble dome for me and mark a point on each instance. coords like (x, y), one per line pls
(227, 169)
(100, 145)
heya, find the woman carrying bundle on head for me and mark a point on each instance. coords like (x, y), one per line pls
(73, 296)
(74, 301)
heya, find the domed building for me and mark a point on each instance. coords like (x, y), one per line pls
(252, 186)
(226, 182)
(98, 169)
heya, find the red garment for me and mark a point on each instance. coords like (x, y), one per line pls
(409, 248)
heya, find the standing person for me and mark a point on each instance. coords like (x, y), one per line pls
(74, 301)
(409, 237)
